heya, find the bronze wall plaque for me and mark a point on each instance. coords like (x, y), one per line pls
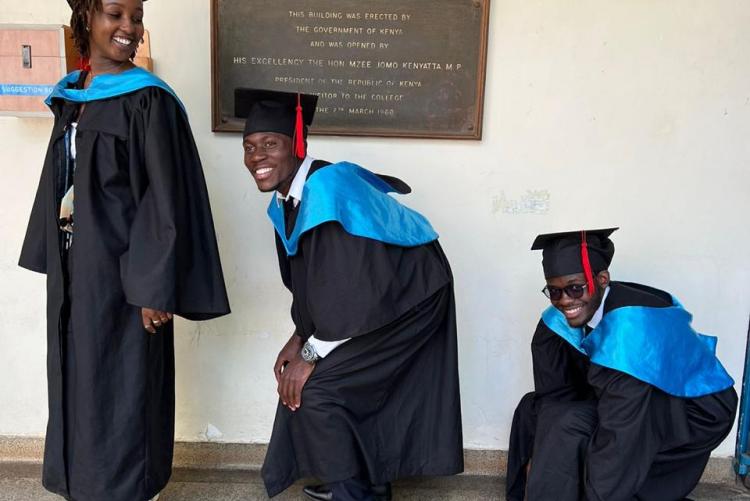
(407, 68)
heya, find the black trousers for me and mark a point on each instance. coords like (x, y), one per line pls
(556, 438)
(351, 490)
(563, 433)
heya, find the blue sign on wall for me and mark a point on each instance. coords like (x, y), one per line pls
(25, 90)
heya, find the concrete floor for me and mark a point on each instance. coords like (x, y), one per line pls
(20, 482)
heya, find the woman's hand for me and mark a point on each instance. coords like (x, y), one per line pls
(154, 318)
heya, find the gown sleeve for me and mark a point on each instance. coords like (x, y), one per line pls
(627, 438)
(286, 279)
(559, 370)
(357, 285)
(172, 263)
(34, 250)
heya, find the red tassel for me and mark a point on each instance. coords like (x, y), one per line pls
(83, 64)
(299, 136)
(586, 264)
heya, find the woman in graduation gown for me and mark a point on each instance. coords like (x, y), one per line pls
(133, 247)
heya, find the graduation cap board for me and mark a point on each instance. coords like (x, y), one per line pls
(570, 252)
(285, 113)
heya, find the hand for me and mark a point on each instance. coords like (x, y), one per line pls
(293, 378)
(291, 349)
(154, 318)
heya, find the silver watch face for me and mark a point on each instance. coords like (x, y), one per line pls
(308, 353)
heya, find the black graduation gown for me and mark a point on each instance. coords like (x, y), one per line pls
(144, 237)
(386, 403)
(598, 434)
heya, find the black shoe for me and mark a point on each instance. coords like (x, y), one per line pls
(318, 492)
(382, 492)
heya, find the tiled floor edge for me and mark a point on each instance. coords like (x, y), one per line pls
(215, 455)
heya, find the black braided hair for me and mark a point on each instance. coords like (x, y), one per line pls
(79, 23)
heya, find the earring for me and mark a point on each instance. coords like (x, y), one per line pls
(88, 28)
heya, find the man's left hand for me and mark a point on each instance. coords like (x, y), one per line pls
(292, 380)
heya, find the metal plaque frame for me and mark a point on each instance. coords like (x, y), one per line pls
(392, 68)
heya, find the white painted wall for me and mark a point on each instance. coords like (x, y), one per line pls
(633, 113)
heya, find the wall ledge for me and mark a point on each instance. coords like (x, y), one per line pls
(237, 456)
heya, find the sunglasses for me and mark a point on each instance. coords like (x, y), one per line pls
(573, 291)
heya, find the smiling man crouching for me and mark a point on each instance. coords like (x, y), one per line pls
(368, 381)
(629, 401)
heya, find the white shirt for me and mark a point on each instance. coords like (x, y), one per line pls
(73, 134)
(599, 313)
(322, 348)
(298, 183)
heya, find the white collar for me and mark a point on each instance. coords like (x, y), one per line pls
(594, 322)
(298, 183)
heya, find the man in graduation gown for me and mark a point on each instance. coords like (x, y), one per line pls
(629, 401)
(143, 238)
(368, 381)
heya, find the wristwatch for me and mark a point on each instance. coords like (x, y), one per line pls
(309, 354)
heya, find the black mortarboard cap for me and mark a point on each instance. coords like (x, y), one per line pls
(570, 252)
(273, 111)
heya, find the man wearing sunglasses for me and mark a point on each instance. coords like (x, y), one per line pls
(629, 401)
